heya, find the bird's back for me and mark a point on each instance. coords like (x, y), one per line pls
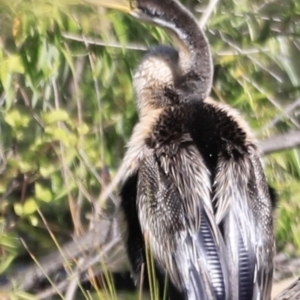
(203, 203)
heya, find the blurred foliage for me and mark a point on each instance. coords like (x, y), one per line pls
(67, 109)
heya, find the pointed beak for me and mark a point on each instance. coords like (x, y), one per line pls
(121, 5)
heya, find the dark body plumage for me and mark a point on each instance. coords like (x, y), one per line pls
(162, 195)
(193, 191)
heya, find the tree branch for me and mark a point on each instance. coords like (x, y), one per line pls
(280, 142)
(292, 292)
(88, 246)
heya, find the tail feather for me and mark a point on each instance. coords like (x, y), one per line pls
(202, 266)
(246, 271)
(197, 288)
(241, 255)
(213, 257)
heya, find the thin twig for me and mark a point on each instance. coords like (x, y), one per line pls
(101, 131)
(208, 11)
(98, 42)
(76, 75)
(40, 267)
(285, 112)
(274, 101)
(242, 52)
(140, 47)
(115, 260)
(73, 210)
(254, 60)
(73, 284)
(105, 231)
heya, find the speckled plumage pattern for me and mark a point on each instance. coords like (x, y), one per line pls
(189, 179)
(193, 190)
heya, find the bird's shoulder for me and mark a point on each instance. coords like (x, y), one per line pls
(217, 124)
(170, 128)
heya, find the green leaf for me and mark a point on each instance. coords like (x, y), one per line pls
(15, 119)
(83, 129)
(34, 221)
(9, 242)
(12, 64)
(42, 193)
(25, 166)
(60, 134)
(5, 263)
(20, 295)
(18, 208)
(55, 116)
(3, 187)
(47, 169)
(29, 206)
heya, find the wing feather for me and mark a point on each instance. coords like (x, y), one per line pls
(176, 215)
(244, 209)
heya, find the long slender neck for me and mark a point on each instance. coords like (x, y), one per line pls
(194, 51)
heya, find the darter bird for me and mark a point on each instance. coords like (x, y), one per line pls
(193, 190)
